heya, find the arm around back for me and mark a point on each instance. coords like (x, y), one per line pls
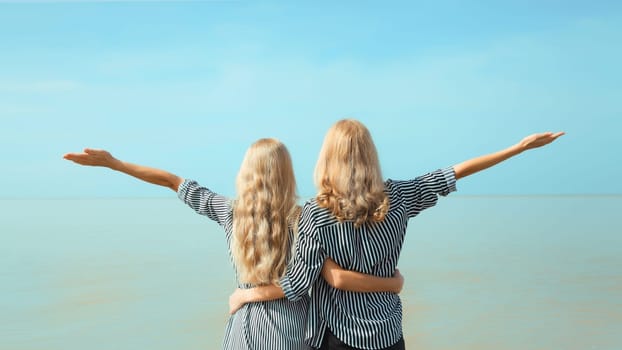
(354, 281)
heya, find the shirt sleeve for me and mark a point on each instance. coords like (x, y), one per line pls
(204, 201)
(422, 192)
(307, 261)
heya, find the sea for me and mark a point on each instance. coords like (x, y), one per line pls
(481, 272)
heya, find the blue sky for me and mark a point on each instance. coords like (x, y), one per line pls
(188, 85)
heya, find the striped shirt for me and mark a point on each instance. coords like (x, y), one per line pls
(361, 320)
(277, 324)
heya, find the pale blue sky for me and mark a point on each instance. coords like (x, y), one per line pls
(188, 85)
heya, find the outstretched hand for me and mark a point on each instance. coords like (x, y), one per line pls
(539, 140)
(91, 157)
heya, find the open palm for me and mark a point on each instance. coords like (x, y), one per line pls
(539, 140)
(92, 157)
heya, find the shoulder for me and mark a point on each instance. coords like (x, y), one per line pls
(191, 192)
(394, 187)
(192, 185)
(318, 216)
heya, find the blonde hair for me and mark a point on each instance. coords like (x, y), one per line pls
(348, 175)
(264, 212)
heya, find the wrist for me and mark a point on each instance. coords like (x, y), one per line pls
(517, 149)
(115, 164)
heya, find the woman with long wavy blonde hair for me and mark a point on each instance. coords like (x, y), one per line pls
(260, 227)
(360, 221)
(264, 213)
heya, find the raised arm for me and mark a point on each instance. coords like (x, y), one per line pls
(102, 158)
(474, 165)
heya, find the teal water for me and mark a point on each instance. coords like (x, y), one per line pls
(533, 272)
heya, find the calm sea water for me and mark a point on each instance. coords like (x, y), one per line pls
(534, 272)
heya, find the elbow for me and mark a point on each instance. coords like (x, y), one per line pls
(294, 297)
(174, 187)
(335, 281)
(296, 294)
(174, 183)
(339, 283)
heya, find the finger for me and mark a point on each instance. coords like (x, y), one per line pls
(556, 135)
(71, 156)
(82, 159)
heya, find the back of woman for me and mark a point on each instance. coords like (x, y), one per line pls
(260, 227)
(359, 221)
(362, 320)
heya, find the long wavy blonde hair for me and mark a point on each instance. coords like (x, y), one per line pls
(264, 212)
(348, 175)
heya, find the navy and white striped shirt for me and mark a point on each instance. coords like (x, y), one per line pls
(277, 324)
(361, 320)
